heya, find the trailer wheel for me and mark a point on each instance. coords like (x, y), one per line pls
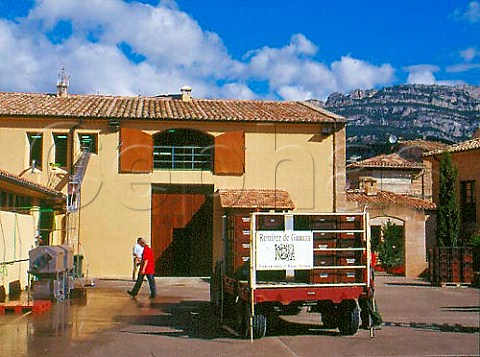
(329, 316)
(348, 317)
(259, 324)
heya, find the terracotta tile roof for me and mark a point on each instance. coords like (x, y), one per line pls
(263, 199)
(386, 197)
(391, 161)
(161, 107)
(20, 181)
(472, 144)
(424, 145)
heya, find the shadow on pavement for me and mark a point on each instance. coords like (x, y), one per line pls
(435, 327)
(421, 284)
(197, 319)
(462, 308)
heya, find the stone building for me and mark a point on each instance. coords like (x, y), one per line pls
(161, 167)
(465, 157)
(392, 188)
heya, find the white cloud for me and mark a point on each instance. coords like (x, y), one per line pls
(175, 51)
(470, 15)
(422, 74)
(236, 91)
(462, 67)
(23, 61)
(294, 74)
(354, 73)
(169, 39)
(469, 54)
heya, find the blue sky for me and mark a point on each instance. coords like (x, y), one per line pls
(270, 49)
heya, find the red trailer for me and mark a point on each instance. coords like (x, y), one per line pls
(277, 263)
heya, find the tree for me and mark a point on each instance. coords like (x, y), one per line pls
(391, 250)
(448, 218)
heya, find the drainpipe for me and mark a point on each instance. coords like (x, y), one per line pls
(224, 241)
(334, 163)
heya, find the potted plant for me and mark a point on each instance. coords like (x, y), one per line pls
(391, 251)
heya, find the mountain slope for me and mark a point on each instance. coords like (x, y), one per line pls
(435, 112)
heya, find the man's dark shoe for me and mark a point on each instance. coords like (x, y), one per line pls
(152, 296)
(130, 293)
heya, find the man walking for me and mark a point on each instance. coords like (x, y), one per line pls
(137, 257)
(147, 268)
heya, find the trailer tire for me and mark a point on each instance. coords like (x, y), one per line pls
(259, 324)
(348, 317)
(329, 316)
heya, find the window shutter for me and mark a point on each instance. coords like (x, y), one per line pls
(230, 154)
(136, 151)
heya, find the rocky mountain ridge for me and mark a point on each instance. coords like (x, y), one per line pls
(434, 112)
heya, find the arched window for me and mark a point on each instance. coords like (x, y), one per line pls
(183, 149)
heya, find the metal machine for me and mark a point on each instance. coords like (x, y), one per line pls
(51, 267)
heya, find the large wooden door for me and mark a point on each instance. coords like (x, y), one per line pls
(182, 233)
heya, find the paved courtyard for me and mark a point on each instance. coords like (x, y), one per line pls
(419, 320)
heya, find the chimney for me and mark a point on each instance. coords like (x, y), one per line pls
(369, 186)
(476, 134)
(62, 83)
(186, 93)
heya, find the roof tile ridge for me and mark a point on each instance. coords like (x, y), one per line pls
(139, 106)
(109, 110)
(323, 111)
(454, 147)
(197, 105)
(235, 100)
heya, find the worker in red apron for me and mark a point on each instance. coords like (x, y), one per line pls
(369, 311)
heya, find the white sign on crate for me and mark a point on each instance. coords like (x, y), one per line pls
(280, 250)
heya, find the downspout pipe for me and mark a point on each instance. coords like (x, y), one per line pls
(334, 164)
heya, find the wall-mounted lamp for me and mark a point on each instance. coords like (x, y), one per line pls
(113, 124)
(326, 130)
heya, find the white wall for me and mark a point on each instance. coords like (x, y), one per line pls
(17, 238)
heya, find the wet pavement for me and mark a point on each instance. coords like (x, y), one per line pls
(419, 320)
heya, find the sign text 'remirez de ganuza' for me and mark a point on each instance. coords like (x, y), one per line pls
(278, 250)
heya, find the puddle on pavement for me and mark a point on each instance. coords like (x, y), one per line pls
(107, 306)
(55, 330)
(65, 324)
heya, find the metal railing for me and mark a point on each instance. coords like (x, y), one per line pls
(182, 157)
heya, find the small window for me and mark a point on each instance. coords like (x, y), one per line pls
(88, 142)
(467, 201)
(3, 200)
(7, 201)
(61, 149)
(36, 150)
(183, 149)
(23, 204)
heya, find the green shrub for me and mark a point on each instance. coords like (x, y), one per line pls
(391, 250)
(475, 240)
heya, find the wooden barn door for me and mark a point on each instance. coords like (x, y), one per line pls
(182, 233)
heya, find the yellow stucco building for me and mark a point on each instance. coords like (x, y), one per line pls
(157, 167)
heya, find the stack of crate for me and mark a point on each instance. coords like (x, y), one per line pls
(467, 265)
(324, 237)
(337, 241)
(238, 245)
(336, 244)
(451, 265)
